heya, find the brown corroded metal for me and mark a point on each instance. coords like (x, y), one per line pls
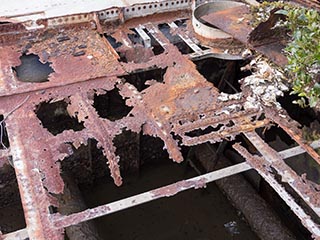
(263, 168)
(306, 191)
(86, 65)
(236, 22)
(309, 3)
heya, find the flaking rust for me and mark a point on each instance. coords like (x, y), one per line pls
(173, 189)
(263, 168)
(86, 65)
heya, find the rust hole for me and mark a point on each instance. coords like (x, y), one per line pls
(32, 70)
(86, 170)
(305, 116)
(11, 212)
(55, 118)
(128, 149)
(86, 163)
(158, 170)
(115, 44)
(305, 164)
(4, 139)
(207, 130)
(223, 74)
(139, 79)
(134, 37)
(276, 137)
(113, 41)
(151, 150)
(111, 105)
(52, 209)
(81, 168)
(175, 39)
(181, 23)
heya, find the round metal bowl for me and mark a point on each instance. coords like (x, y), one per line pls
(204, 28)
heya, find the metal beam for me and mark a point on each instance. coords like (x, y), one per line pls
(146, 39)
(273, 158)
(297, 150)
(21, 234)
(64, 221)
(186, 38)
(257, 163)
(167, 191)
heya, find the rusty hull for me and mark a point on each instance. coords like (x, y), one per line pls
(85, 64)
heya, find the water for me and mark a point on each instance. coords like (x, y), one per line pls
(203, 214)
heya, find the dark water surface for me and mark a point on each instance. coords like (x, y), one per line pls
(203, 214)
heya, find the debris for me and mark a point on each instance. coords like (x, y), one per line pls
(232, 228)
(266, 84)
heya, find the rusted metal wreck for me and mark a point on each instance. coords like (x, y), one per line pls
(75, 73)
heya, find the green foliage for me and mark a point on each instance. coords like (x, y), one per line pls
(303, 53)
(303, 49)
(261, 13)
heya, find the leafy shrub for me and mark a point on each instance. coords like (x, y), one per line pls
(302, 50)
(303, 54)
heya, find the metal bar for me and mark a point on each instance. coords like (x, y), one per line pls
(158, 36)
(186, 39)
(302, 188)
(297, 150)
(79, 101)
(34, 199)
(257, 163)
(32, 216)
(146, 39)
(166, 191)
(209, 53)
(21, 234)
(291, 127)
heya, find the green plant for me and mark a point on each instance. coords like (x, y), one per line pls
(261, 13)
(303, 53)
(302, 50)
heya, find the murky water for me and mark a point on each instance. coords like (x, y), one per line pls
(203, 214)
